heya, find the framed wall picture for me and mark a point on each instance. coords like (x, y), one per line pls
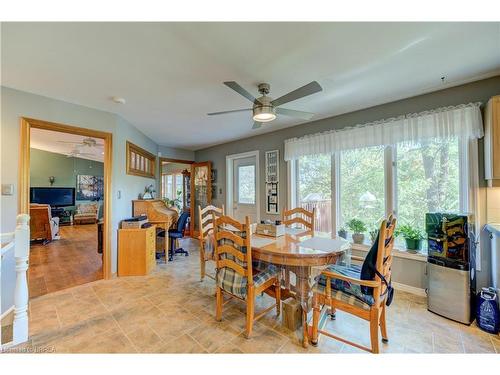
(272, 181)
(89, 187)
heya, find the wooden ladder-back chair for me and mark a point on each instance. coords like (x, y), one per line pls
(341, 287)
(205, 220)
(235, 276)
(301, 216)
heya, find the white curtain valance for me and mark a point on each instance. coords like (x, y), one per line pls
(463, 121)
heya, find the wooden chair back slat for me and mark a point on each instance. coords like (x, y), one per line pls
(205, 219)
(300, 216)
(384, 253)
(226, 249)
(229, 235)
(233, 265)
(222, 248)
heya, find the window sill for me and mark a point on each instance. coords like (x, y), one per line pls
(398, 253)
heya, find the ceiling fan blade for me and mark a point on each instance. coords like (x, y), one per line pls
(240, 90)
(224, 112)
(293, 113)
(256, 125)
(309, 89)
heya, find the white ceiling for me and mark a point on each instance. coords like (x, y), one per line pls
(171, 74)
(52, 141)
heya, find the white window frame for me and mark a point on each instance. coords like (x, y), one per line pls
(390, 182)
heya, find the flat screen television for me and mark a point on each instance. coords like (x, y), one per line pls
(54, 196)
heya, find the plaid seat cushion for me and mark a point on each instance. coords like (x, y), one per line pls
(342, 296)
(346, 287)
(232, 282)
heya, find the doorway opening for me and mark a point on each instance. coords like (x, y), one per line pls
(65, 179)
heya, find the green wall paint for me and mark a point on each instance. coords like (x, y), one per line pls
(44, 164)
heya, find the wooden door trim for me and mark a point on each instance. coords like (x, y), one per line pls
(24, 174)
(229, 180)
(192, 210)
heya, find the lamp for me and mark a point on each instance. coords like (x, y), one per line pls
(263, 114)
(263, 110)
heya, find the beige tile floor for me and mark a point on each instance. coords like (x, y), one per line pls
(170, 311)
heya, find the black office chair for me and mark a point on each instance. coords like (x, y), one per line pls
(175, 234)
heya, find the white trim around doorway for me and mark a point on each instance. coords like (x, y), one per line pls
(229, 179)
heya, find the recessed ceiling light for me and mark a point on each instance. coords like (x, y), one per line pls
(118, 100)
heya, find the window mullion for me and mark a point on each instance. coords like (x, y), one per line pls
(389, 180)
(336, 192)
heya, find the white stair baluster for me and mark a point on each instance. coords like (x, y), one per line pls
(22, 238)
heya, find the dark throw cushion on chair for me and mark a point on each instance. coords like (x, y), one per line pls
(346, 286)
(370, 263)
(368, 268)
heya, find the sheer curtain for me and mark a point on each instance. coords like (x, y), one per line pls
(463, 121)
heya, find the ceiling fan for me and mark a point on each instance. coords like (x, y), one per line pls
(76, 153)
(86, 142)
(266, 108)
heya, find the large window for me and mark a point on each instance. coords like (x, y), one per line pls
(361, 188)
(368, 184)
(427, 180)
(172, 186)
(314, 186)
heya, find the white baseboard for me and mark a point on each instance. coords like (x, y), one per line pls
(409, 289)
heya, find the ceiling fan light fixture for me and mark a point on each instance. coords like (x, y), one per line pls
(263, 114)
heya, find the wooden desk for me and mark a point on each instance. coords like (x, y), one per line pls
(297, 251)
(136, 251)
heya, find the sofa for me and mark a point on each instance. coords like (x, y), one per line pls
(86, 213)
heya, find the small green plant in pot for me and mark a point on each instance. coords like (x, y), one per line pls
(342, 232)
(413, 237)
(357, 228)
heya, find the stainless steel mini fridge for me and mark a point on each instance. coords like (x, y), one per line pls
(451, 265)
(449, 291)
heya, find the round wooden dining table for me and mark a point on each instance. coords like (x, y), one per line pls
(298, 251)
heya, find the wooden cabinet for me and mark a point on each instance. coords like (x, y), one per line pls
(492, 141)
(136, 251)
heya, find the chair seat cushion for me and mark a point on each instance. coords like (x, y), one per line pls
(342, 296)
(346, 288)
(174, 234)
(232, 282)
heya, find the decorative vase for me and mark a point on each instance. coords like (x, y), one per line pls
(413, 246)
(358, 238)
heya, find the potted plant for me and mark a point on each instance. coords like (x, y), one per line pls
(342, 232)
(358, 228)
(413, 237)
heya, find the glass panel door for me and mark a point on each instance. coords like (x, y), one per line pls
(201, 190)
